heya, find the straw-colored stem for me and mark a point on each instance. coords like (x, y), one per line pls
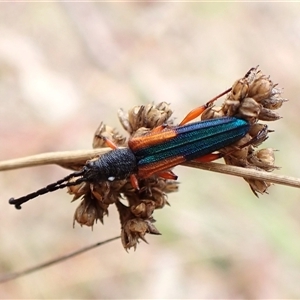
(69, 158)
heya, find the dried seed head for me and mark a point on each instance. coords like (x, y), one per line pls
(261, 88)
(123, 119)
(274, 102)
(249, 110)
(256, 128)
(160, 198)
(82, 217)
(78, 190)
(151, 189)
(89, 211)
(268, 115)
(144, 209)
(258, 186)
(264, 159)
(104, 131)
(134, 230)
(230, 107)
(213, 112)
(141, 206)
(148, 116)
(253, 98)
(237, 153)
(100, 190)
(260, 135)
(125, 213)
(252, 74)
(239, 90)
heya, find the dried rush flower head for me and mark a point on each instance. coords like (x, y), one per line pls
(155, 145)
(253, 98)
(135, 217)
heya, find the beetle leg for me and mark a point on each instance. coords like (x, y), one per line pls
(167, 175)
(208, 157)
(196, 112)
(159, 128)
(260, 137)
(134, 182)
(108, 142)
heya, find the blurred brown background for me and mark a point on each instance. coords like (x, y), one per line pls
(65, 67)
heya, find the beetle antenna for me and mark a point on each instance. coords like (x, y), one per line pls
(60, 184)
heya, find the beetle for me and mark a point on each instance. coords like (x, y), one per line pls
(156, 152)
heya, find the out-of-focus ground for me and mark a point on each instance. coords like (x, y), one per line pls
(65, 67)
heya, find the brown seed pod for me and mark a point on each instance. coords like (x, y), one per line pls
(274, 102)
(134, 230)
(268, 115)
(78, 190)
(148, 116)
(213, 112)
(260, 89)
(258, 186)
(89, 211)
(249, 110)
(110, 133)
(239, 90)
(144, 209)
(264, 159)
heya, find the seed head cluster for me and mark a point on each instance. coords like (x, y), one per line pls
(254, 98)
(135, 207)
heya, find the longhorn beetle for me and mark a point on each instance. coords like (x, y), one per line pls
(156, 152)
